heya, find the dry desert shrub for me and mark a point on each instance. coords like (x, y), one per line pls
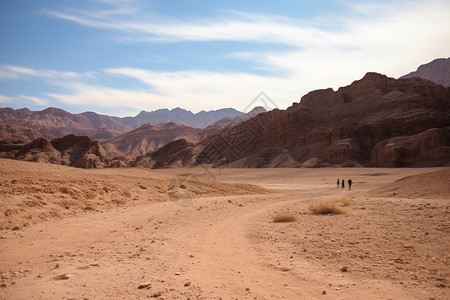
(344, 201)
(326, 208)
(284, 218)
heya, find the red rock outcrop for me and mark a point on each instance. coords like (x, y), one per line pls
(430, 148)
(71, 150)
(80, 151)
(39, 150)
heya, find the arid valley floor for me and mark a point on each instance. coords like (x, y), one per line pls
(198, 233)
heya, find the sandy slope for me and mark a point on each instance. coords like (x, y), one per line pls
(196, 234)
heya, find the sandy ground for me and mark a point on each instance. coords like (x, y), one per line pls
(209, 234)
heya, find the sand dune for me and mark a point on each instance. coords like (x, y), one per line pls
(428, 185)
(33, 192)
(209, 233)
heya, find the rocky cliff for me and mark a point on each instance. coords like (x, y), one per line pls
(348, 127)
(71, 150)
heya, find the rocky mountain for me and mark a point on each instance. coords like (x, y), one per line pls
(148, 138)
(54, 122)
(17, 133)
(376, 121)
(71, 150)
(437, 71)
(110, 123)
(181, 151)
(178, 153)
(182, 117)
(228, 121)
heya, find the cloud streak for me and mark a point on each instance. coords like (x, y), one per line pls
(233, 26)
(35, 100)
(18, 72)
(379, 33)
(247, 27)
(5, 99)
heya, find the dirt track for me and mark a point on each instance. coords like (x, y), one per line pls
(394, 245)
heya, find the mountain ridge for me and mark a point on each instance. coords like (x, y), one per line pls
(58, 122)
(375, 121)
(437, 71)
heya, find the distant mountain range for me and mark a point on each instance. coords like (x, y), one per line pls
(60, 122)
(118, 136)
(182, 117)
(375, 121)
(56, 122)
(437, 71)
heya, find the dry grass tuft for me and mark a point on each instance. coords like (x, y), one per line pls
(344, 201)
(284, 218)
(327, 208)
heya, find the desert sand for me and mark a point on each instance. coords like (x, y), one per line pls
(199, 233)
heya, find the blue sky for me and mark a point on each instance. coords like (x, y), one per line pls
(119, 57)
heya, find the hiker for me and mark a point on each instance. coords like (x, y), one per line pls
(338, 182)
(343, 183)
(349, 184)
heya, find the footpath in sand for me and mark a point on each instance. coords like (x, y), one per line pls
(209, 234)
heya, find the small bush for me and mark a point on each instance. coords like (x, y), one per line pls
(326, 208)
(284, 218)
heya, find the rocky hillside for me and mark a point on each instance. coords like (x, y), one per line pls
(71, 150)
(437, 71)
(56, 121)
(376, 121)
(148, 138)
(13, 132)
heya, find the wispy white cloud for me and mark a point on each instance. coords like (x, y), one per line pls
(23, 99)
(5, 99)
(16, 72)
(196, 90)
(391, 36)
(35, 100)
(248, 27)
(233, 26)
